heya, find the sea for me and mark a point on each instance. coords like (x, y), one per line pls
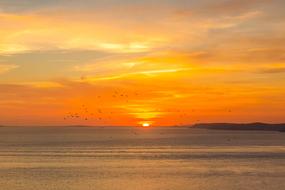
(134, 158)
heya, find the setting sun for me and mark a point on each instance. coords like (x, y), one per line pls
(145, 125)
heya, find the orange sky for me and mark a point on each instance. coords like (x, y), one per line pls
(121, 62)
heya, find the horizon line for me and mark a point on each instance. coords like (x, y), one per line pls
(186, 125)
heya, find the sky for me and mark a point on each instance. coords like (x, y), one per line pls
(129, 62)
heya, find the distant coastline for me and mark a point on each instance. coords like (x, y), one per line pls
(279, 127)
(241, 126)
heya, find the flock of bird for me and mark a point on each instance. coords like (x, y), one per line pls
(85, 114)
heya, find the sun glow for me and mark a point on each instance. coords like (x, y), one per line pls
(143, 64)
(145, 125)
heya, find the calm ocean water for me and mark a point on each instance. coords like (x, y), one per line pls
(74, 158)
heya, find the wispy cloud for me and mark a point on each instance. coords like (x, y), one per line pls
(273, 70)
(7, 67)
(157, 55)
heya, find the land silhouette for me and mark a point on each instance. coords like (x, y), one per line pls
(242, 126)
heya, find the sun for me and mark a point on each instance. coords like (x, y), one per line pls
(145, 125)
